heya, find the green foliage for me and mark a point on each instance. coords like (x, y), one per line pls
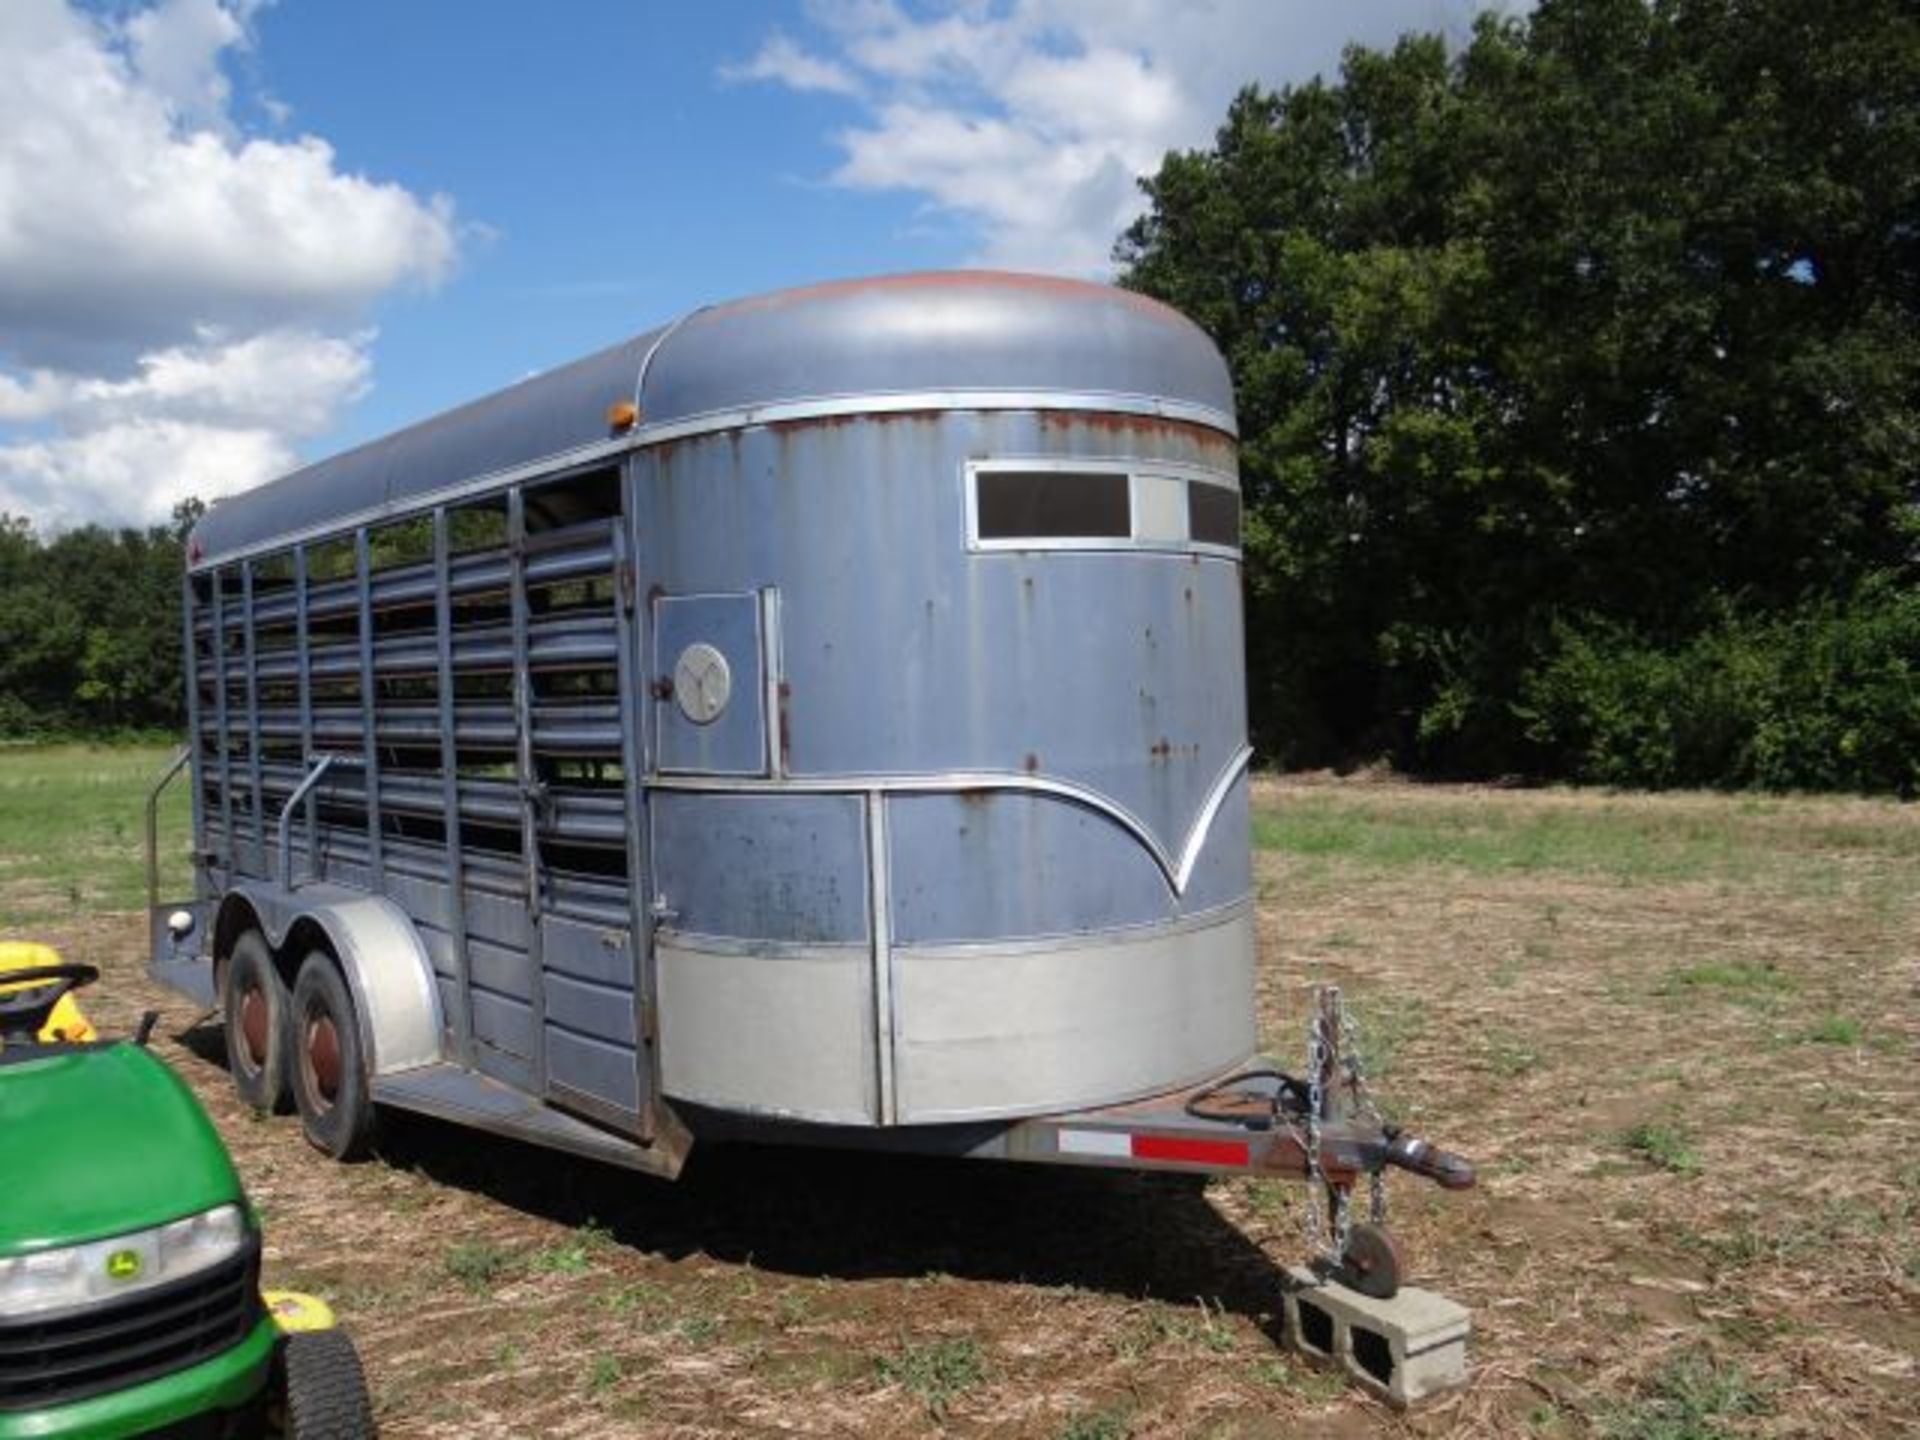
(90, 629)
(1664, 1146)
(560, 1260)
(1095, 1425)
(1741, 980)
(478, 1264)
(938, 1371)
(604, 1373)
(1691, 1397)
(1834, 1029)
(1824, 696)
(1553, 356)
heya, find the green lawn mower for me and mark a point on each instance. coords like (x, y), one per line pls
(129, 1257)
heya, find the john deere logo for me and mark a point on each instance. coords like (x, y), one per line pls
(123, 1264)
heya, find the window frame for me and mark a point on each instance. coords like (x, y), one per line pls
(1136, 470)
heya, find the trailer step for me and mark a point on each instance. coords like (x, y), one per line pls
(451, 1092)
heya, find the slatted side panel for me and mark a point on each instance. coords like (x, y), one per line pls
(398, 655)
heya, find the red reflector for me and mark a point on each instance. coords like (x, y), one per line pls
(1196, 1152)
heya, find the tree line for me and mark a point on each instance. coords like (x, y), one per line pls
(90, 629)
(1577, 369)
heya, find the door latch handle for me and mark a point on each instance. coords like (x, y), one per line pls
(661, 911)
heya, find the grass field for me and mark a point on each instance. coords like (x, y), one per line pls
(1678, 1033)
(73, 830)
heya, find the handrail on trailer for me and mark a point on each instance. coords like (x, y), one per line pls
(153, 823)
(320, 765)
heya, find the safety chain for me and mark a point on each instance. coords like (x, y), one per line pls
(1363, 1102)
(1353, 1073)
(1310, 1143)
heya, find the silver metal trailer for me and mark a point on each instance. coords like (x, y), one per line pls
(821, 719)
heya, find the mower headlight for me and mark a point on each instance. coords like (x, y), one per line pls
(104, 1270)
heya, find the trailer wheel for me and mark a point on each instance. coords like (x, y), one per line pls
(329, 1067)
(325, 1392)
(257, 1023)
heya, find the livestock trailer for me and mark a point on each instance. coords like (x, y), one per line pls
(820, 719)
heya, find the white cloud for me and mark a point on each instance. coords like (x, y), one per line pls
(1030, 121)
(284, 379)
(201, 419)
(134, 471)
(179, 302)
(175, 49)
(780, 59)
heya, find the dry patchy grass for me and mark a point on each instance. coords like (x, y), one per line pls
(1678, 1033)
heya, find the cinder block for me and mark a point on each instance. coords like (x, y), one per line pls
(1402, 1350)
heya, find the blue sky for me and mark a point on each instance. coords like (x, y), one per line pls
(240, 234)
(612, 177)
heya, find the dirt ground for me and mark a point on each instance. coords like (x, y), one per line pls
(1692, 1096)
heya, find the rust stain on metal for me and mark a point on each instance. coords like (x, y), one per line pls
(1032, 763)
(1129, 425)
(785, 692)
(662, 688)
(976, 795)
(786, 428)
(1162, 749)
(817, 422)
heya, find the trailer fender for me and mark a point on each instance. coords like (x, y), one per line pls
(387, 969)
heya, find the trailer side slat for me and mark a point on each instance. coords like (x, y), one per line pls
(462, 1007)
(571, 553)
(531, 796)
(370, 744)
(253, 710)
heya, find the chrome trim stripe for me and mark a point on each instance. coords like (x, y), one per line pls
(698, 943)
(646, 360)
(1203, 822)
(826, 407)
(932, 785)
(1176, 874)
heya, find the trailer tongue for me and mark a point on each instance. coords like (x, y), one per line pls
(1323, 1131)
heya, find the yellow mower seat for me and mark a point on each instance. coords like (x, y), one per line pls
(67, 1021)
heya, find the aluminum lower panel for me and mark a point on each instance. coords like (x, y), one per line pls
(980, 1032)
(784, 1031)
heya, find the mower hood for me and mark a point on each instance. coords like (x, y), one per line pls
(99, 1140)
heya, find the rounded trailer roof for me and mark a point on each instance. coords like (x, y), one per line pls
(936, 340)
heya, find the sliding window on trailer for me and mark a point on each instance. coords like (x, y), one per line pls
(1057, 504)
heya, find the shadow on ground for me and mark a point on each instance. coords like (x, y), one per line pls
(848, 1215)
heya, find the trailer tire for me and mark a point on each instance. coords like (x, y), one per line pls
(329, 1067)
(257, 1021)
(325, 1389)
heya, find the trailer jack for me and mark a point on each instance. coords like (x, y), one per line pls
(1348, 1305)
